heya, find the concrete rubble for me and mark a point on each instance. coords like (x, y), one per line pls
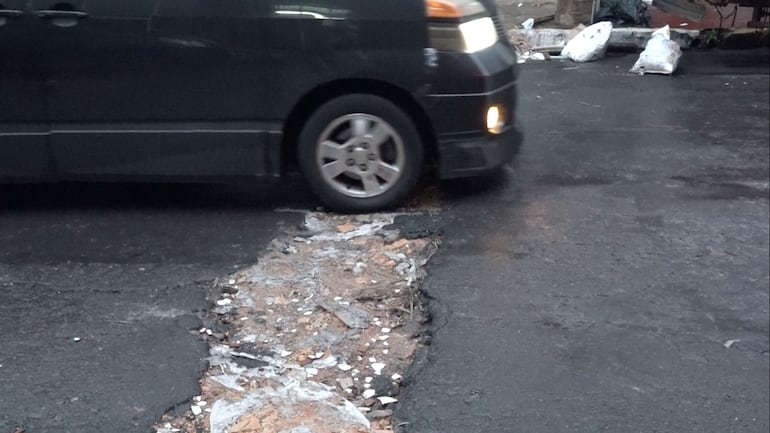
(314, 338)
(529, 42)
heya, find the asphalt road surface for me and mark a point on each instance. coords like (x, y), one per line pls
(125, 270)
(617, 279)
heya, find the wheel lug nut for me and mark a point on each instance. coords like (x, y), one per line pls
(363, 167)
(372, 157)
(350, 162)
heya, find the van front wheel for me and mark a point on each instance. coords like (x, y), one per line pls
(360, 153)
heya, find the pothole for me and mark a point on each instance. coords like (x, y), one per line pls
(317, 337)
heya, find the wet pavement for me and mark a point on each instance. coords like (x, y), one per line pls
(617, 278)
(102, 290)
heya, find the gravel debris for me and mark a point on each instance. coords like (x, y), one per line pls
(319, 308)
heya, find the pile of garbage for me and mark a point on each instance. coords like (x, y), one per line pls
(623, 13)
(317, 336)
(586, 44)
(617, 24)
(660, 56)
(590, 44)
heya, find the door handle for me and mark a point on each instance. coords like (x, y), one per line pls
(61, 18)
(9, 13)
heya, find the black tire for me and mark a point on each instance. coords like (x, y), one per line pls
(360, 153)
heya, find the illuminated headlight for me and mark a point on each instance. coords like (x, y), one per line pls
(478, 34)
(495, 119)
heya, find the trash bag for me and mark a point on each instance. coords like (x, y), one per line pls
(660, 56)
(623, 13)
(590, 44)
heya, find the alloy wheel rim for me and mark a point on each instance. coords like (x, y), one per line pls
(360, 155)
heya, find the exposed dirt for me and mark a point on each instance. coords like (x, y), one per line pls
(317, 335)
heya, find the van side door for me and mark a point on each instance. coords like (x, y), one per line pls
(23, 129)
(161, 88)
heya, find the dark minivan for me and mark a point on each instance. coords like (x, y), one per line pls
(361, 95)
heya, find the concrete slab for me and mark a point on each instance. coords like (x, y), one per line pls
(630, 37)
(553, 40)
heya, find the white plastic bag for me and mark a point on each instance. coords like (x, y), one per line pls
(660, 56)
(590, 44)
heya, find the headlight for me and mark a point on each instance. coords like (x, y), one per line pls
(459, 25)
(478, 34)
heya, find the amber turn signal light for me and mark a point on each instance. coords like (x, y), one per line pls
(442, 9)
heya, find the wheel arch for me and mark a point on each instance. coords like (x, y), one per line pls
(328, 91)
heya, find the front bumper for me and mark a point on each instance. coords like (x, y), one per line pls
(465, 86)
(476, 154)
